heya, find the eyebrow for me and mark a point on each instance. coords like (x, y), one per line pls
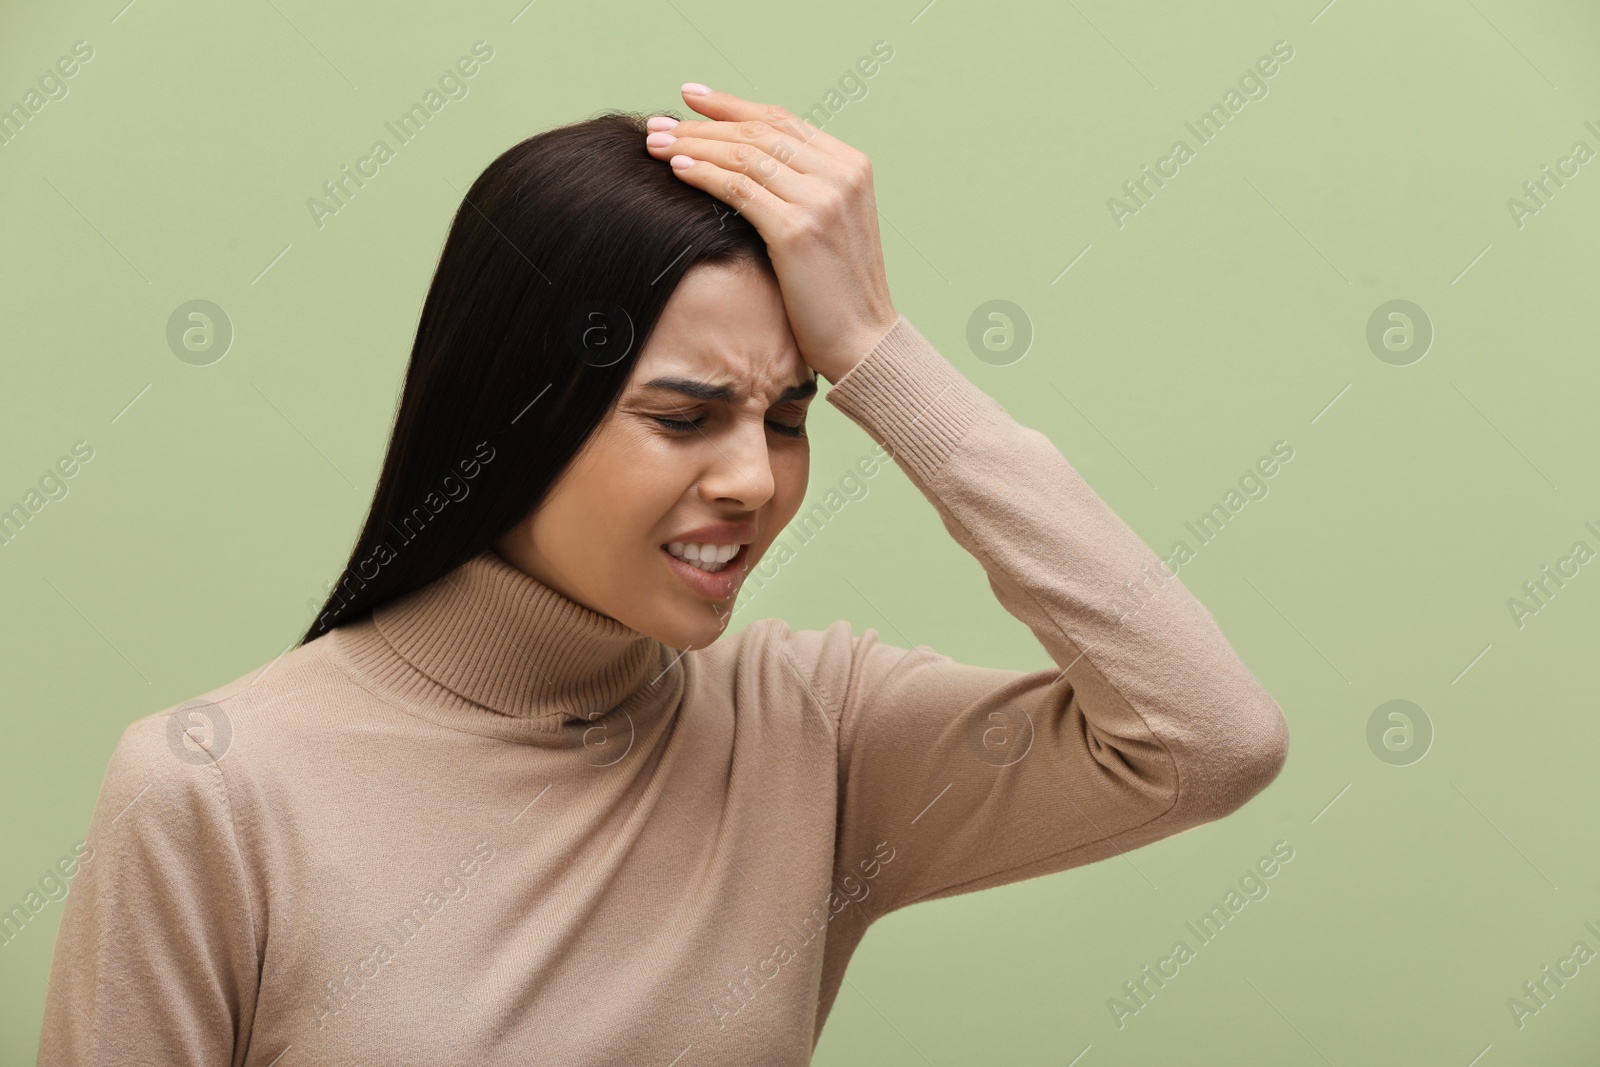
(707, 391)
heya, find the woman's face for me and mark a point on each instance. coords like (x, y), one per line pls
(735, 478)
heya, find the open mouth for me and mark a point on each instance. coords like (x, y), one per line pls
(710, 567)
(715, 581)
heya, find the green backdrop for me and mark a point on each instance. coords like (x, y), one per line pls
(1177, 331)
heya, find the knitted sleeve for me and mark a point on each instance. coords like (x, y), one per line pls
(156, 957)
(956, 777)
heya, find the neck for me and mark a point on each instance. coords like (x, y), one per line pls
(490, 638)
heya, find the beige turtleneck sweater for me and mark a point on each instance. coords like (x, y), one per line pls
(488, 825)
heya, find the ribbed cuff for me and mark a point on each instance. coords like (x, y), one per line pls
(910, 399)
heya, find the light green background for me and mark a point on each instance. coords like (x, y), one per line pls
(1227, 314)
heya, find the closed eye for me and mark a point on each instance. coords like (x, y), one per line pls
(685, 426)
(678, 424)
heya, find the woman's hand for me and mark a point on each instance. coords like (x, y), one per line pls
(810, 196)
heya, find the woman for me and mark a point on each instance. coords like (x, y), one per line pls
(510, 799)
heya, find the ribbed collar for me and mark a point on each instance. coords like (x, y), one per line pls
(489, 648)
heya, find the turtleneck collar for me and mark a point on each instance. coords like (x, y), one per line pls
(491, 649)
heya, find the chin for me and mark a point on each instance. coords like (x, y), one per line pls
(691, 637)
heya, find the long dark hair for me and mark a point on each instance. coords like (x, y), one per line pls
(556, 268)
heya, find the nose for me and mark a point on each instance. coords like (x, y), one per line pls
(740, 467)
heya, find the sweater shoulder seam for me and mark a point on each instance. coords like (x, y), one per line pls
(825, 704)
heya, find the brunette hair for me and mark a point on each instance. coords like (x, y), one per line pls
(556, 268)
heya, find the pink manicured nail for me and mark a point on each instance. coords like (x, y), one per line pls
(681, 162)
(659, 140)
(660, 122)
(694, 89)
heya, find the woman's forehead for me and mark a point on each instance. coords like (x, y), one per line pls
(725, 326)
(739, 368)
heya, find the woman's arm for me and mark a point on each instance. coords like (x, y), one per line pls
(155, 959)
(977, 777)
(955, 777)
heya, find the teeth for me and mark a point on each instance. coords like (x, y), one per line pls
(707, 557)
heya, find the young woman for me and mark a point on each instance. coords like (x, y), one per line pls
(511, 800)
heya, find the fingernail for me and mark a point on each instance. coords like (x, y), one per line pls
(695, 89)
(659, 139)
(681, 162)
(660, 122)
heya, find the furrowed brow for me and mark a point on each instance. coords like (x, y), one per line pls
(706, 391)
